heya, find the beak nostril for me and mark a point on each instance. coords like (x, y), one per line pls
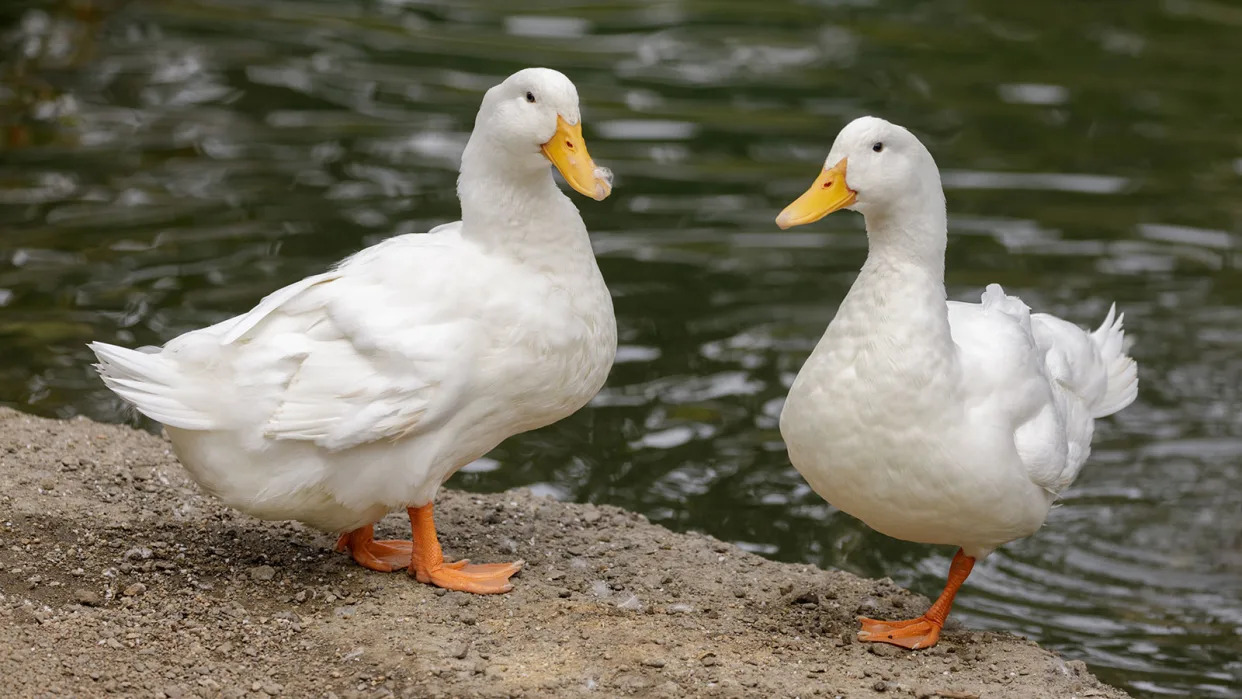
(827, 184)
(569, 145)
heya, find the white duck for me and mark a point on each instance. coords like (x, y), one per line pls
(931, 420)
(354, 392)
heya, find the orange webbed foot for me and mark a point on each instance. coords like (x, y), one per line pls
(429, 565)
(423, 557)
(384, 556)
(909, 633)
(482, 579)
(924, 631)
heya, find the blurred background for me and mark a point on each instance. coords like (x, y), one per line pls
(166, 163)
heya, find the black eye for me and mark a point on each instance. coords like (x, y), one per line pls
(878, 146)
(530, 97)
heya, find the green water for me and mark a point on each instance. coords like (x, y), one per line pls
(166, 164)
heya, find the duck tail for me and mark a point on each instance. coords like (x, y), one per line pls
(1109, 340)
(150, 382)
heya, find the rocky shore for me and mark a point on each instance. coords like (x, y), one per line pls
(119, 578)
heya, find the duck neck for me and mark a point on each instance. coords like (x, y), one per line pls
(510, 203)
(898, 300)
(911, 234)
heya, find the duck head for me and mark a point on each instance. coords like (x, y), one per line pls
(876, 168)
(533, 118)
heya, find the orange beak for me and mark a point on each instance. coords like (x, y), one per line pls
(567, 151)
(827, 194)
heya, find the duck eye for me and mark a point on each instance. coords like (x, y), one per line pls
(877, 146)
(530, 97)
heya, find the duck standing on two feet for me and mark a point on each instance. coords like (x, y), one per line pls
(931, 420)
(358, 391)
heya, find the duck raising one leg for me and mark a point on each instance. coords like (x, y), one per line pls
(924, 631)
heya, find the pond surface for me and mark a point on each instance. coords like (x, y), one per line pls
(166, 164)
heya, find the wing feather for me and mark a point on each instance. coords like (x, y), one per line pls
(1050, 378)
(379, 348)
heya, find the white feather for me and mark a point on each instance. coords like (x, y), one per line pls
(359, 390)
(932, 420)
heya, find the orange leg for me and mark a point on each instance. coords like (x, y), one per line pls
(428, 566)
(384, 556)
(924, 631)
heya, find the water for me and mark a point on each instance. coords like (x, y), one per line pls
(167, 163)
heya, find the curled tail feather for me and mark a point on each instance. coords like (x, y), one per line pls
(1109, 340)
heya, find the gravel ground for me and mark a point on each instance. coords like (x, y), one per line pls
(117, 577)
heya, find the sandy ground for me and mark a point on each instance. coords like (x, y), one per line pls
(117, 576)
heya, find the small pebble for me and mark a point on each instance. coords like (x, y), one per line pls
(884, 650)
(87, 598)
(135, 590)
(138, 553)
(262, 573)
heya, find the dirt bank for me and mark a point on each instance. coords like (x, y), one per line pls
(118, 577)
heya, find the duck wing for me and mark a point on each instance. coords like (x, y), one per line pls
(1043, 378)
(379, 348)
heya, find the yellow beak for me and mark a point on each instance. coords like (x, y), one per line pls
(827, 194)
(568, 153)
